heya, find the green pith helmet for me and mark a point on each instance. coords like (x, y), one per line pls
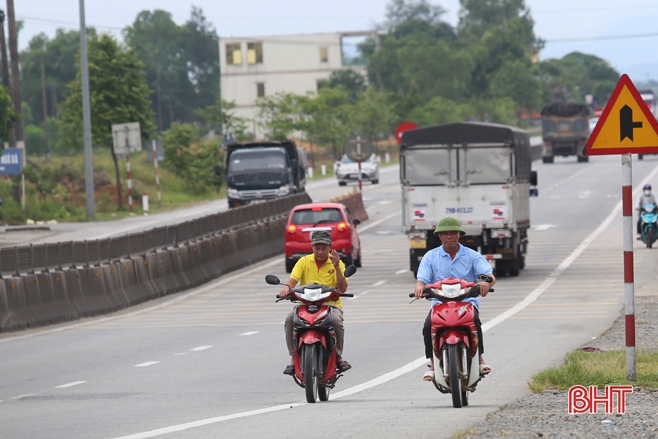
(449, 224)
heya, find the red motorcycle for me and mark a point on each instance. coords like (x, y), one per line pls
(314, 337)
(454, 337)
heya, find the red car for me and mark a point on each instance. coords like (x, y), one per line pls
(333, 217)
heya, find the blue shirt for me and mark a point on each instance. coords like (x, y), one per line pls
(437, 265)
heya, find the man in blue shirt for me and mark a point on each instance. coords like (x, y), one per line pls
(452, 260)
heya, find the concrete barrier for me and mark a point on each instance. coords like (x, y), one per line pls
(17, 314)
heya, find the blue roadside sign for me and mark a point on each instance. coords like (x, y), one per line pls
(11, 162)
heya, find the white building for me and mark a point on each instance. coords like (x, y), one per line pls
(260, 66)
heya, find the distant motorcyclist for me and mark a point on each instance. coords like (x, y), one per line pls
(646, 198)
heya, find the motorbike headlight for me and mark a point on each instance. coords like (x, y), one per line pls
(451, 291)
(312, 293)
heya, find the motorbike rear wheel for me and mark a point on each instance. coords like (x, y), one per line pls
(455, 380)
(309, 366)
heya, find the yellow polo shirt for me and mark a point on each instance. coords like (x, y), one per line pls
(306, 272)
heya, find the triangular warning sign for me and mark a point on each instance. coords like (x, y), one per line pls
(626, 125)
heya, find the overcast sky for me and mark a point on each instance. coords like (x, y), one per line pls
(624, 32)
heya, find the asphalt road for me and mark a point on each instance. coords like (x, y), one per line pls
(207, 363)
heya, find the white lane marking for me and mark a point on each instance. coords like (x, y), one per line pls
(189, 425)
(378, 222)
(381, 282)
(401, 271)
(542, 227)
(414, 364)
(147, 364)
(200, 348)
(26, 395)
(250, 333)
(181, 353)
(356, 296)
(192, 293)
(364, 293)
(385, 202)
(74, 383)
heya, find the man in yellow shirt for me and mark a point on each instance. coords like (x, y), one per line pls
(324, 267)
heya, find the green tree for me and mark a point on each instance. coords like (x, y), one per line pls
(351, 80)
(330, 119)
(220, 117)
(118, 94)
(7, 114)
(374, 114)
(478, 17)
(283, 113)
(59, 56)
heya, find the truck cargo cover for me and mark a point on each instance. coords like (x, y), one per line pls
(472, 134)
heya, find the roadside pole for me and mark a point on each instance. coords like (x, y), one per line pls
(157, 173)
(128, 176)
(629, 278)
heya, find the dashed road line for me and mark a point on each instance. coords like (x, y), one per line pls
(250, 333)
(147, 364)
(200, 348)
(381, 282)
(74, 383)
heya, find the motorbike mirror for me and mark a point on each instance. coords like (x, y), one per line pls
(356, 222)
(272, 279)
(350, 270)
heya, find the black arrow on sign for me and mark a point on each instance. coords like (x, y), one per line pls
(626, 124)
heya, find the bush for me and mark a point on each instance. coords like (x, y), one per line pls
(192, 159)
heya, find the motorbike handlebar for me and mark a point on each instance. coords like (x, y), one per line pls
(346, 295)
(426, 292)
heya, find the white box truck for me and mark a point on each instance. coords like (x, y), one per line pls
(476, 172)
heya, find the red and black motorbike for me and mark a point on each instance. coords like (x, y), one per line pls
(314, 337)
(454, 337)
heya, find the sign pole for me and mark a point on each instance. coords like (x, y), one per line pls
(23, 198)
(629, 277)
(128, 176)
(157, 173)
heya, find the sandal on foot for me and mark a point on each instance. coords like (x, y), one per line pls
(484, 369)
(429, 376)
(289, 370)
(343, 366)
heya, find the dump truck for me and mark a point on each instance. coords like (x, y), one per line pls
(565, 129)
(259, 171)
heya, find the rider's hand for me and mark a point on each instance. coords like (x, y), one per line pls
(418, 291)
(335, 259)
(484, 288)
(284, 293)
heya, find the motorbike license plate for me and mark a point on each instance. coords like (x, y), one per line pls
(417, 243)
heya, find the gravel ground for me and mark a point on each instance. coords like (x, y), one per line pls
(545, 414)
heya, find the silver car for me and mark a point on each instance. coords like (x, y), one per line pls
(347, 170)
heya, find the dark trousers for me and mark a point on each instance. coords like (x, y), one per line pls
(427, 333)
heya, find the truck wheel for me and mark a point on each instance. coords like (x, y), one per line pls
(290, 264)
(513, 272)
(547, 159)
(342, 183)
(583, 159)
(640, 156)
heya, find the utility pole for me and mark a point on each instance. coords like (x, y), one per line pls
(45, 109)
(3, 48)
(86, 117)
(15, 74)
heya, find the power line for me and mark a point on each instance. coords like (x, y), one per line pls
(605, 38)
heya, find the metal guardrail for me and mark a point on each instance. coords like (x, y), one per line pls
(30, 259)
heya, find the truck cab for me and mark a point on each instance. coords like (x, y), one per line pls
(263, 171)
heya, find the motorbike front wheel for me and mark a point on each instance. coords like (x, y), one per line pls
(455, 380)
(309, 366)
(650, 237)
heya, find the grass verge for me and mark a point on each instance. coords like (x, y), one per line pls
(597, 369)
